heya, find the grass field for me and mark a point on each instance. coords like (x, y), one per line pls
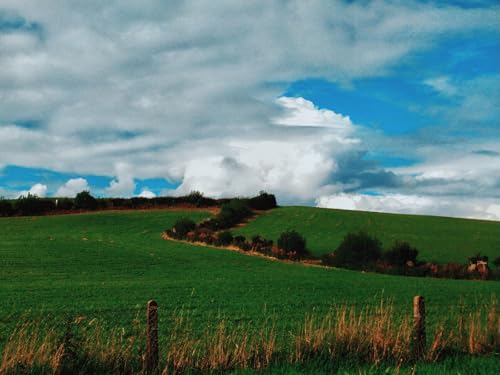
(107, 265)
(438, 239)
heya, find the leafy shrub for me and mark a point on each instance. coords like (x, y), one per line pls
(212, 224)
(239, 239)
(357, 251)
(496, 262)
(241, 243)
(477, 258)
(32, 205)
(263, 201)
(5, 207)
(65, 204)
(400, 254)
(261, 245)
(233, 212)
(291, 241)
(452, 270)
(194, 197)
(225, 238)
(182, 227)
(85, 201)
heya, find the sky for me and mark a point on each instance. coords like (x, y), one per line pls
(388, 106)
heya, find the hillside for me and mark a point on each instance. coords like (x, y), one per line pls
(107, 265)
(439, 239)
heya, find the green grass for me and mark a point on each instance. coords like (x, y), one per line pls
(107, 265)
(452, 366)
(438, 239)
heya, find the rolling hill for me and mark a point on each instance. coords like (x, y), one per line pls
(439, 239)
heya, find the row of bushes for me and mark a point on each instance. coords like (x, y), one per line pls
(32, 205)
(290, 245)
(236, 210)
(360, 251)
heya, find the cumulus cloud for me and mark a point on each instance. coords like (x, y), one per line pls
(72, 187)
(38, 190)
(413, 204)
(302, 112)
(188, 71)
(124, 184)
(147, 194)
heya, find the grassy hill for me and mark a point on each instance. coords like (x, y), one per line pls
(107, 265)
(440, 239)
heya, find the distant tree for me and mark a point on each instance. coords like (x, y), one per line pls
(292, 241)
(182, 227)
(85, 201)
(225, 238)
(357, 251)
(5, 207)
(263, 201)
(233, 212)
(30, 204)
(400, 253)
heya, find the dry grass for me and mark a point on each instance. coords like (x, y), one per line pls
(372, 336)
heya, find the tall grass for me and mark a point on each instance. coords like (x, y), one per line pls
(367, 337)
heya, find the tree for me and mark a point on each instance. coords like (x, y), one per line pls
(182, 227)
(5, 207)
(263, 201)
(400, 254)
(233, 212)
(85, 201)
(291, 241)
(357, 251)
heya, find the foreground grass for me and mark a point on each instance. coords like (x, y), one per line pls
(438, 239)
(107, 265)
(375, 338)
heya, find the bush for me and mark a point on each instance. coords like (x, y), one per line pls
(5, 207)
(496, 262)
(263, 201)
(182, 227)
(357, 251)
(291, 241)
(225, 238)
(477, 258)
(65, 204)
(261, 245)
(233, 212)
(400, 254)
(32, 205)
(85, 201)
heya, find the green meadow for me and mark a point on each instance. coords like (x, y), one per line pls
(440, 239)
(107, 265)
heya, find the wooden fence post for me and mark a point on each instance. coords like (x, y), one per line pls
(152, 337)
(419, 337)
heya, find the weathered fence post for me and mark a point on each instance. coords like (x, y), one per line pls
(419, 338)
(152, 337)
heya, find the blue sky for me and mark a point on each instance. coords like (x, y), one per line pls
(384, 106)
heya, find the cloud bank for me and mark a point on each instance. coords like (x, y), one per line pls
(193, 92)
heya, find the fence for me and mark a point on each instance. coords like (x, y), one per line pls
(152, 359)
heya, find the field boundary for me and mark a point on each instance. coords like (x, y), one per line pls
(252, 253)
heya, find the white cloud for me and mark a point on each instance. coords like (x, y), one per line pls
(413, 204)
(72, 187)
(302, 112)
(124, 184)
(442, 85)
(39, 190)
(147, 194)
